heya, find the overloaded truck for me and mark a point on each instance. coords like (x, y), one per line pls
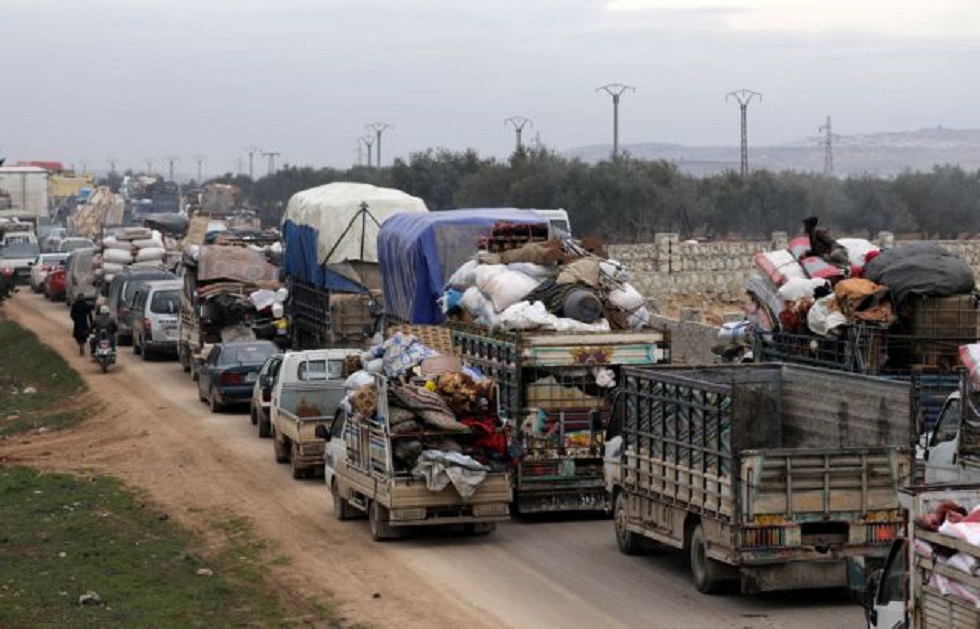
(554, 373)
(23, 192)
(216, 302)
(308, 391)
(366, 474)
(330, 260)
(773, 476)
(929, 580)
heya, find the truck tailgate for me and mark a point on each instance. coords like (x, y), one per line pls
(826, 493)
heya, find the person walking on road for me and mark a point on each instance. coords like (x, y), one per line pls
(81, 316)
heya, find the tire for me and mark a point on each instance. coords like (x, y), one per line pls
(265, 426)
(341, 508)
(279, 448)
(185, 364)
(252, 416)
(298, 472)
(137, 349)
(213, 403)
(706, 571)
(201, 396)
(195, 375)
(145, 354)
(381, 531)
(105, 365)
(628, 542)
(480, 528)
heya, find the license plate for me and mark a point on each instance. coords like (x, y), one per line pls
(251, 376)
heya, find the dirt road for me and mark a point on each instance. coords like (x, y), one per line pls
(154, 433)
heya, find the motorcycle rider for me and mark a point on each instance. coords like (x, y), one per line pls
(81, 316)
(103, 322)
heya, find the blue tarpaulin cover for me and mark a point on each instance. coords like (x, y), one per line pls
(301, 261)
(418, 252)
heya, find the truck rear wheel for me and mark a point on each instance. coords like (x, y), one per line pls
(298, 472)
(378, 521)
(265, 426)
(628, 542)
(279, 447)
(707, 572)
(480, 528)
(341, 508)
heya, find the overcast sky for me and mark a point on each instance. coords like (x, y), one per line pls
(85, 80)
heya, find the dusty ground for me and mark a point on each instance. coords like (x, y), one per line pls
(197, 466)
(148, 437)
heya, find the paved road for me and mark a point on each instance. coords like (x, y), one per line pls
(546, 573)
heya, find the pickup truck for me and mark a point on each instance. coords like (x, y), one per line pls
(920, 587)
(773, 476)
(309, 388)
(364, 476)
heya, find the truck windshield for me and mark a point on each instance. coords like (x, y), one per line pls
(949, 423)
(320, 370)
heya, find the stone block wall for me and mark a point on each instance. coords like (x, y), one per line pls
(669, 268)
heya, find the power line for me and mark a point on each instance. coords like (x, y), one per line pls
(378, 128)
(251, 150)
(368, 142)
(828, 149)
(171, 161)
(200, 159)
(518, 122)
(744, 97)
(272, 155)
(615, 90)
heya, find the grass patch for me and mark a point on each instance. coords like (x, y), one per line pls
(62, 536)
(26, 363)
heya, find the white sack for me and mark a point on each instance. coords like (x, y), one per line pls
(477, 304)
(627, 298)
(485, 272)
(112, 267)
(639, 318)
(857, 249)
(110, 242)
(148, 264)
(537, 271)
(262, 298)
(149, 243)
(799, 288)
(117, 256)
(145, 255)
(824, 316)
(507, 288)
(465, 275)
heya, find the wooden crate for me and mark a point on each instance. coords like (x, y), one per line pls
(435, 336)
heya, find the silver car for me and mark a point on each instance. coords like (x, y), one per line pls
(156, 311)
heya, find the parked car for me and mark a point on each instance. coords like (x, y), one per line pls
(262, 394)
(67, 245)
(54, 284)
(156, 310)
(16, 260)
(230, 371)
(44, 264)
(122, 289)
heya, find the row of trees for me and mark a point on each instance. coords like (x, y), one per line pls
(628, 200)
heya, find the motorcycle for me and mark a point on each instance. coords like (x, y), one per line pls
(105, 353)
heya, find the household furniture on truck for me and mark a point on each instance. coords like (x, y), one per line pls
(556, 411)
(777, 476)
(364, 475)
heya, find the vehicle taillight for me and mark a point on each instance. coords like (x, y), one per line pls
(147, 325)
(232, 377)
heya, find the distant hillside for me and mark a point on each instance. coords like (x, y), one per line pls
(880, 154)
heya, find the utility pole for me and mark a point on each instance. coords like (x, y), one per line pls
(171, 161)
(251, 150)
(200, 159)
(149, 166)
(360, 153)
(112, 164)
(744, 97)
(615, 90)
(518, 122)
(272, 160)
(378, 128)
(368, 142)
(828, 149)
(84, 167)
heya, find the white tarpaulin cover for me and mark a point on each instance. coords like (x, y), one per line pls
(332, 208)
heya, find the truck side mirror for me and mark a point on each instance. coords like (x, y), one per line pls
(870, 594)
(266, 382)
(321, 432)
